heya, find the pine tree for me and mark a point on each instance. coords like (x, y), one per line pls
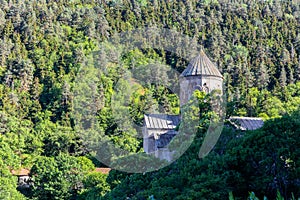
(291, 78)
(282, 78)
(263, 77)
(297, 70)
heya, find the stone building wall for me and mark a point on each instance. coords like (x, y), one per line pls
(190, 83)
(148, 138)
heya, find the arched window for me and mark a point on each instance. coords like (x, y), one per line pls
(205, 88)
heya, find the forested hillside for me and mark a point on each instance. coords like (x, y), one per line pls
(45, 44)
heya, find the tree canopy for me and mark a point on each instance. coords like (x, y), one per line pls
(60, 73)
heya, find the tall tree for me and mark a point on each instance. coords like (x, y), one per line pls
(282, 78)
(263, 77)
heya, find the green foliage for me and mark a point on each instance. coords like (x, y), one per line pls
(231, 197)
(252, 196)
(45, 46)
(95, 186)
(263, 161)
(55, 177)
(8, 185)
(85, 164)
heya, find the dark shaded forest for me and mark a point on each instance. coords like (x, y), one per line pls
(45, 45)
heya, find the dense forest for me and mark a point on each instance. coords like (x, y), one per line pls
(46, 45)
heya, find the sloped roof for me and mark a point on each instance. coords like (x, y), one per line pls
(161, 121)
(201, 65)
(246, 123)
(20, 172)
(103, 170)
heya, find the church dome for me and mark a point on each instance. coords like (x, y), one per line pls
(201, 65)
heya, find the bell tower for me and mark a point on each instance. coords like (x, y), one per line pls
(200, 74)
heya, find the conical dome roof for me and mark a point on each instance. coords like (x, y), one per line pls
(201, 65)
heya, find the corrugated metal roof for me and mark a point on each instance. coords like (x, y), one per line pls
(246, 123)
(161, 121)
(201, 65)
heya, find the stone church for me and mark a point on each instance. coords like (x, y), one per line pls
(200, 74)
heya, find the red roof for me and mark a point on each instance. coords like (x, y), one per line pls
(20, 172)
(103, 170)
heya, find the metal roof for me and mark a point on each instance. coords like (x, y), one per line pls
(201, 65)
(161, 121)
(246, 123)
